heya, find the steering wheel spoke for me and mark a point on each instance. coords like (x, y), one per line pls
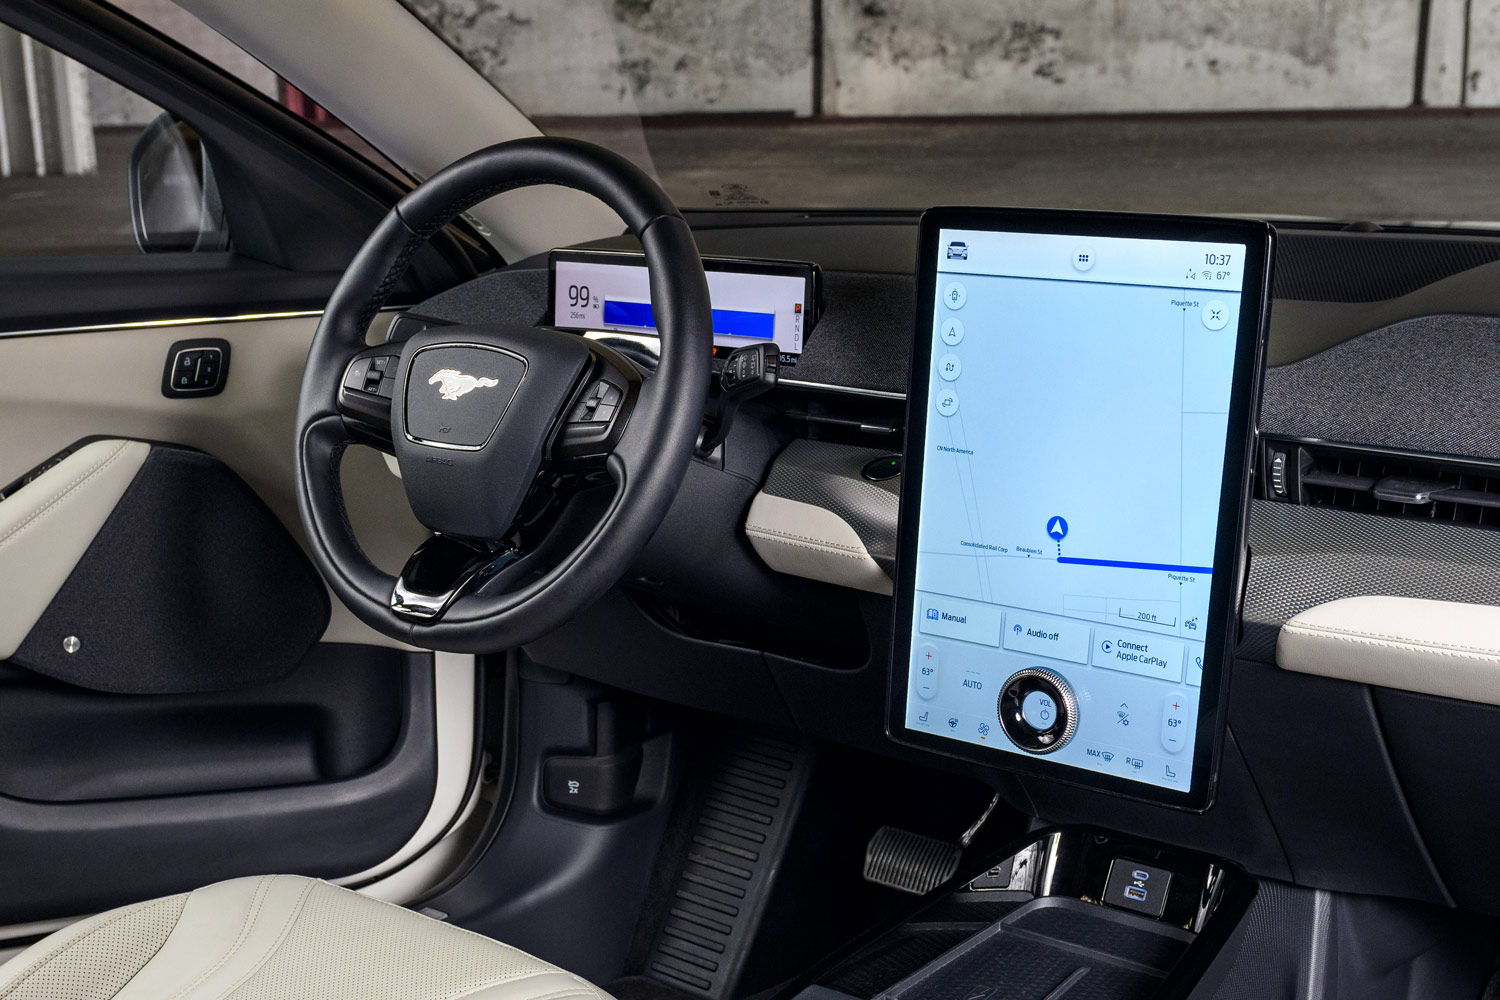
(442, 570)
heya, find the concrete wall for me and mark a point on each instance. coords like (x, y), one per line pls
(596, 57)
(962, 57)
(982, 57)
(1482, 86)
(859, 58)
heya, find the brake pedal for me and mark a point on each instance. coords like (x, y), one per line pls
(916, 863)
(910, 862)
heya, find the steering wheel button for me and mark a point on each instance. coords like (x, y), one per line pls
(355, 377)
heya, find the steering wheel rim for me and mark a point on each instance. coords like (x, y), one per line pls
(652, 453)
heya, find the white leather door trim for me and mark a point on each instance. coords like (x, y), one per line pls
(803, 539)
(456, 694)
(46, 525)
(153, 324)
(1432, 647)
(114, 387)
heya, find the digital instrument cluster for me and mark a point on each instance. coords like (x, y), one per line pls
(754, 301)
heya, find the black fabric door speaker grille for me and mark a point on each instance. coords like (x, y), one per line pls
(192, 584)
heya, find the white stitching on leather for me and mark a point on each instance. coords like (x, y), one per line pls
(1391, 641)
(276, 942)
(803, 541)
(251, 914)
(58, 498)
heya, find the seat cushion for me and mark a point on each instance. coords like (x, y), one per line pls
(277, 937)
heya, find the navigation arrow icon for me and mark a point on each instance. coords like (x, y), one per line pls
(1057, 528)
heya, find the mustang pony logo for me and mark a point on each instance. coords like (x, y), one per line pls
(456, 383)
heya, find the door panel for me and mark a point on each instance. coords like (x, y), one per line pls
(105, 798)
(337, 715)
(58, 389)
(190, 584)
(46, 526)
(68, 858)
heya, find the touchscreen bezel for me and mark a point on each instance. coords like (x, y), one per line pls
(1229, 554)
(809, 272)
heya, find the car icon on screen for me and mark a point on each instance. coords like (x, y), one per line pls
(958, 251)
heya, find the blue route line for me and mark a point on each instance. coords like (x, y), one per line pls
(1122, 564)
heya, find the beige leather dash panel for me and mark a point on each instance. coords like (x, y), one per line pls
(802, 539)
(58, 388)
(1431, 647)
(46, 525)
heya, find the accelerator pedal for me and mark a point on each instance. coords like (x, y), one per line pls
(916, 863)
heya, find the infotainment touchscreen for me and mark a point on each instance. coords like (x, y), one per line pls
(1075, 487)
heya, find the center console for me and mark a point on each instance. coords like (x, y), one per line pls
(1073, 912)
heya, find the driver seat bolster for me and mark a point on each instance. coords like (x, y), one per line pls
(273, 937)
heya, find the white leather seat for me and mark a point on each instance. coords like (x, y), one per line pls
(277, 937)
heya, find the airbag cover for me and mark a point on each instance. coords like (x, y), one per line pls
(457, 396)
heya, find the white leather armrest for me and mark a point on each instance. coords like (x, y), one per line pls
(46, 525)
(1431, 647)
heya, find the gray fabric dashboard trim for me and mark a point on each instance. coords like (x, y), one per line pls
(1428, 384)
(828, 475)
(1304, 556)
(513, 295)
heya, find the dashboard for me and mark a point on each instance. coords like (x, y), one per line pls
(1379, 362)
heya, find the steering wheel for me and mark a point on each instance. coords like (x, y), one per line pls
(543, 462)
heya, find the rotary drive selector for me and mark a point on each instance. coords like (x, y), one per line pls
(1037, 710)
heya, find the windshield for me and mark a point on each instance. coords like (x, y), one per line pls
(1376, 110)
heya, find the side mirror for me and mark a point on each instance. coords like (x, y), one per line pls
(174, 199)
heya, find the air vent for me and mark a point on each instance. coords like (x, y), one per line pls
(1373, 481)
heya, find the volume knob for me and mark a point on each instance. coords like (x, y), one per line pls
(1037, 710)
